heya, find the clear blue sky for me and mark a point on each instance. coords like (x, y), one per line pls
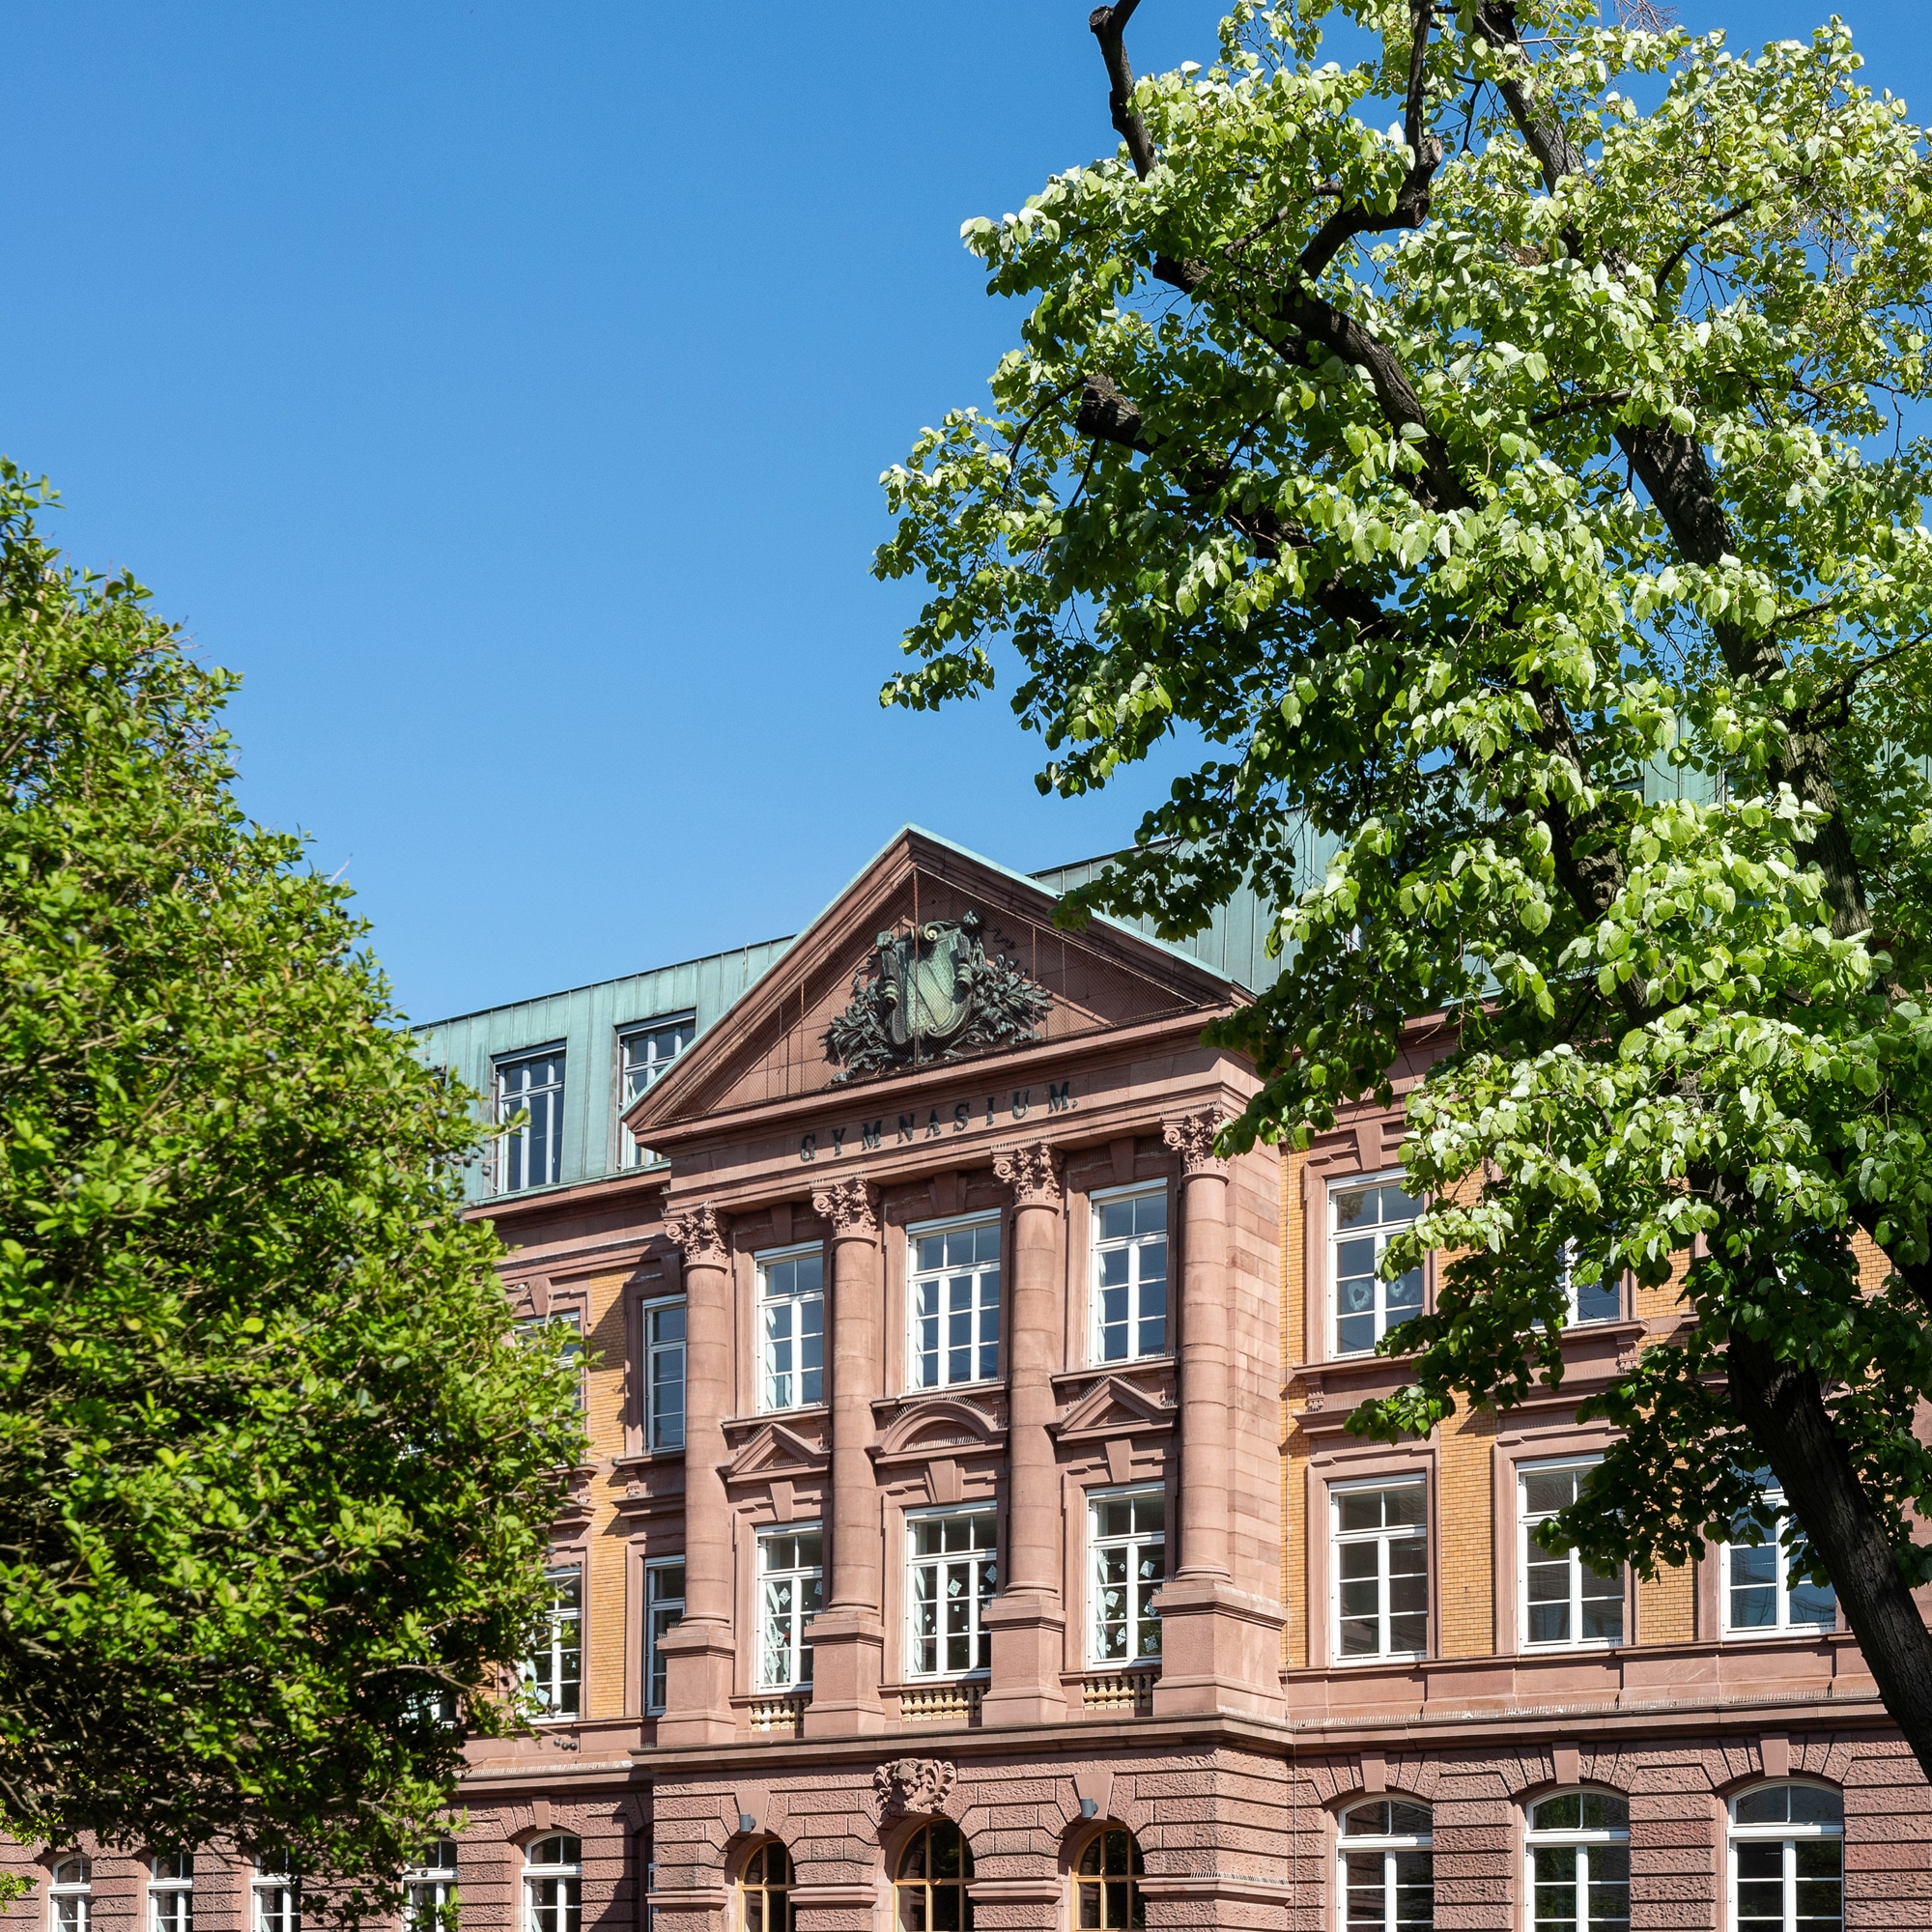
(502, 390)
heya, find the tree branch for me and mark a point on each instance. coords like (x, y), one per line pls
(1109, 25)
(1690, 241)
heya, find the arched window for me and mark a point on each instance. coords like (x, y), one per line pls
(1106, 1882)
(934, 1871)
(171, 1893)
(766, 1889)
(71, 1897)
(554, 1884)
(1787, 1858)
(1580, 1863)
(1385, 1870)
(277, 1896)
(428, 1889)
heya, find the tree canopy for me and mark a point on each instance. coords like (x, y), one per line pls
(1522, 499)
(276, 1484)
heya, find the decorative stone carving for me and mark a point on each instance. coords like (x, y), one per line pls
(1193, 1140)
(937, 995)
(912, 1787)
(850, 1205)
(1032, 1172)
(697, 1234)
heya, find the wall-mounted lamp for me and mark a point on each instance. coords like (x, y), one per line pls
(746, 1822)
(1089, 1806)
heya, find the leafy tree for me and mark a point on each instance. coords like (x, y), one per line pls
(275, 1484)
(1522, 502)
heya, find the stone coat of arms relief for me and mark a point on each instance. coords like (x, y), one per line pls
(936, 995)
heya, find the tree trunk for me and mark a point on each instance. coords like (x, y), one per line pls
(1784, 1408)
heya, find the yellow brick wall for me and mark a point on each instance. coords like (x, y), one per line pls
(1465, 1534)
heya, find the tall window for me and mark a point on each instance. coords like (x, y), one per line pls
(554, 1884)
(1560, 1599)
(643, 1053)
(1598, 1301)
(1127, 1534)
(1386, 1876)
(663, 1610)
(1761, 1595)
(70, 1895)
(1787, 1849)
(1129, 1295)
(1381, 1569)
(789, 1582)
(1362, 1218)
(428, 1889)
(953, 1305)
(1106, 1882)
(530, 1155)
(765, 1890)
(555, 1673)
(663, 1375)
(569, 1324)
(950, 1577)
(934, 1871)
(171, 1893)
(1577, 1852)
(792, 1330)
(277, 1897)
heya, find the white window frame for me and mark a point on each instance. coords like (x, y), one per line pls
(981, 1563)
(430, 1890)
(568, 1874)
(1389, 1844)
(657, 1352)
(1137, 1543)
(1780, 1586)
(283, 1886)
(171, 1894)
(564, 1628)
(77, 1894)
(1583, 1840)
(1381, 1235)
(504, 1105)
(1135, 1245)
(1383, 1539)
(1566, 1280)
(1549, 1467)
(629, 1091)
(799, 1617)
(657, 1605)
(797, 1301)
(571, 1320)
(1786, 1834)
(980, 1272)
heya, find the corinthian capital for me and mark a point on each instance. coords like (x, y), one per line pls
(1192, 1138)
(1032, 1172)
(697, 1232)
(850, 1205)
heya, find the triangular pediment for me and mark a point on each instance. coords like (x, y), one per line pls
(1113, 1404)
(776, 1451)
(985, 939)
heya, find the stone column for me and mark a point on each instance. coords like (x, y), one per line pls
(700, 1652)
(848, 1638)
(1027, 1618)
(1219, 1645)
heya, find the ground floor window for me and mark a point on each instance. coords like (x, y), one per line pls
(1580, 1863)
(764, 1891)
(1387, 1870)
(935, 1868)
(554, 1884)
(1107, 1876)
(1787, 1858)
